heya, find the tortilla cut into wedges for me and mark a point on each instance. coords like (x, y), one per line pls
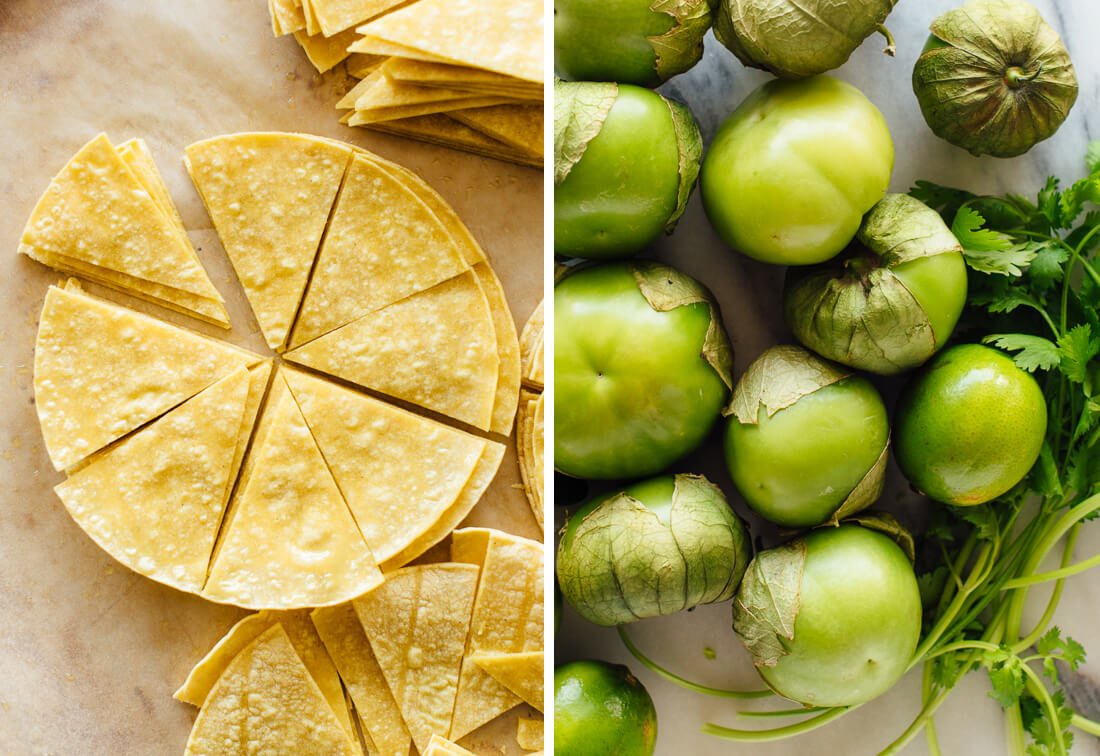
(438, 746)
(417, 623)
(101, 370)
(325, 52)
(440, 129)
(154, 501)
(269, 196)
(507, 618)
(97, 211)
(521, 673)
(336, 15)
(530, 347)
(382, 245)
(436, 348)
(286, 17)
(399, 472)
(530, 444)
(517, 125)
(529, 733)
(290, 540)
(266, 701)
(347, 645)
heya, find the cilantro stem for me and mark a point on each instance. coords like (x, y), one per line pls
(801, 711)
(1055, 596)
(1058, 574)
(1014, 730)
(930, 736)
(1036, 688)
(777, 733)
(1085, 724)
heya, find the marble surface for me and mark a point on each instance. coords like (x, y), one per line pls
(970, 723)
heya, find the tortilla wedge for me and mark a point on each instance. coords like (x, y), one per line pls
(427, 73)
(269, 195)
(438, 746)
(362, 65)
(347, 645)
(325, 52)
(517, 125)
(153, 501)
(442, 130)
(97, 211)
(529, 450)
(530, 340)
(290, 540)
(382, 245)
(266, 701)
(436, 348)
(417, 623)
(529, 733)
(286, 17)
(336, 15)
(375, 46)
(101, 370)
(399, 472)
(521, 673)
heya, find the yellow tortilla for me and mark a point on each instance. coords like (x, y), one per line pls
(204, 675)
(373, 114)
(267, 702)
(438, 746)
(436, 348)
(286, 17)
(101, 370)
(517, 125)
(269, 196)
(507, 618)
(529, 733)
(325, 52)
(398, 472)
(374, 46)
(153, 502)
(382, 245)
(95, 210)
(530, 341)
(291, 541)
(417, 622)
(521, 673)
(361, 65)
(444, 131)
(429, 73)
(336, 15)
(529, 450)
(504, 36)
(347, 644)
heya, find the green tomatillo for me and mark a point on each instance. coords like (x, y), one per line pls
(625, 162)
(994, 78)
(657, 547)
(798, 38)
(642, 42)
(807, 441)
(832, 618)
(891, 300)
(641, 369)
(601, 709)
(793, 169)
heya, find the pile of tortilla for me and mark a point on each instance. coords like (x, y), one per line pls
(426, 658)
(204, 466)
(530, 424)
(466, 74)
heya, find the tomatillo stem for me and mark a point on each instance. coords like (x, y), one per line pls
(1016, 77)
(891, 48)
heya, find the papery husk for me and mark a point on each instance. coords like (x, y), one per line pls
(853, 309)
(689, 144)
(794, 39)
(580, 109)
(681, 46)
(995, 78)
(623, 562)
(768, 601)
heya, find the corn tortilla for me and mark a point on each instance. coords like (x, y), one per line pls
(438, 746)
(529, 733)
(521, 673)
(441, 130)
(325, 52)
(517, 125)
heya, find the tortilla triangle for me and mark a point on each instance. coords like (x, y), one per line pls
(438, 746)
(269, 196)
(101, 370)
(154, 501)
(289, 540)
(521, 673)
(267, 702)
(417, 622)
(399, 472)
(97, 211)
(382, 245)
(436, 348)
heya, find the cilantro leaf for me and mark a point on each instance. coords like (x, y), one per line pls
(1005, 676)
(1073, 199)
(1078, 347)
(1092, 157)
(1046, 269)
(983, 520)
(990, 251)
(1032, 352)
(1049, 203)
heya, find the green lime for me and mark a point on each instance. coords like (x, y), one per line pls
(969, 426)
(601, 709)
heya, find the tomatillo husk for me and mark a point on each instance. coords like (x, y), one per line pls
(994, 78)
(658, 547)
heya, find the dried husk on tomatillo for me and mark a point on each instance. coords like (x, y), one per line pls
(681, 46)
(794, 39)
(994, 78)
(863, 309)
(658, 547)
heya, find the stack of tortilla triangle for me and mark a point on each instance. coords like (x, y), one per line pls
(466, 75)
(108, 218)
(410, 655)
(530, 422)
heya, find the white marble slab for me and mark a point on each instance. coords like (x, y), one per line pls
(749, 292)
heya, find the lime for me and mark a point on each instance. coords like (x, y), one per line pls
(601, 708)
(970, 425)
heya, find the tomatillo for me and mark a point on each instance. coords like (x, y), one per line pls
(832, 618)
(600, 709)
(970, 426)
(642, 42)
(641, 369)
(807, 441)
(657, 547)
(793, 169)
(625, 162)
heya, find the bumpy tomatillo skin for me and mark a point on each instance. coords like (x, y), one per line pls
(643, 42)
(658, 547)
(994, 78)
(794, 39)
(891, 300)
